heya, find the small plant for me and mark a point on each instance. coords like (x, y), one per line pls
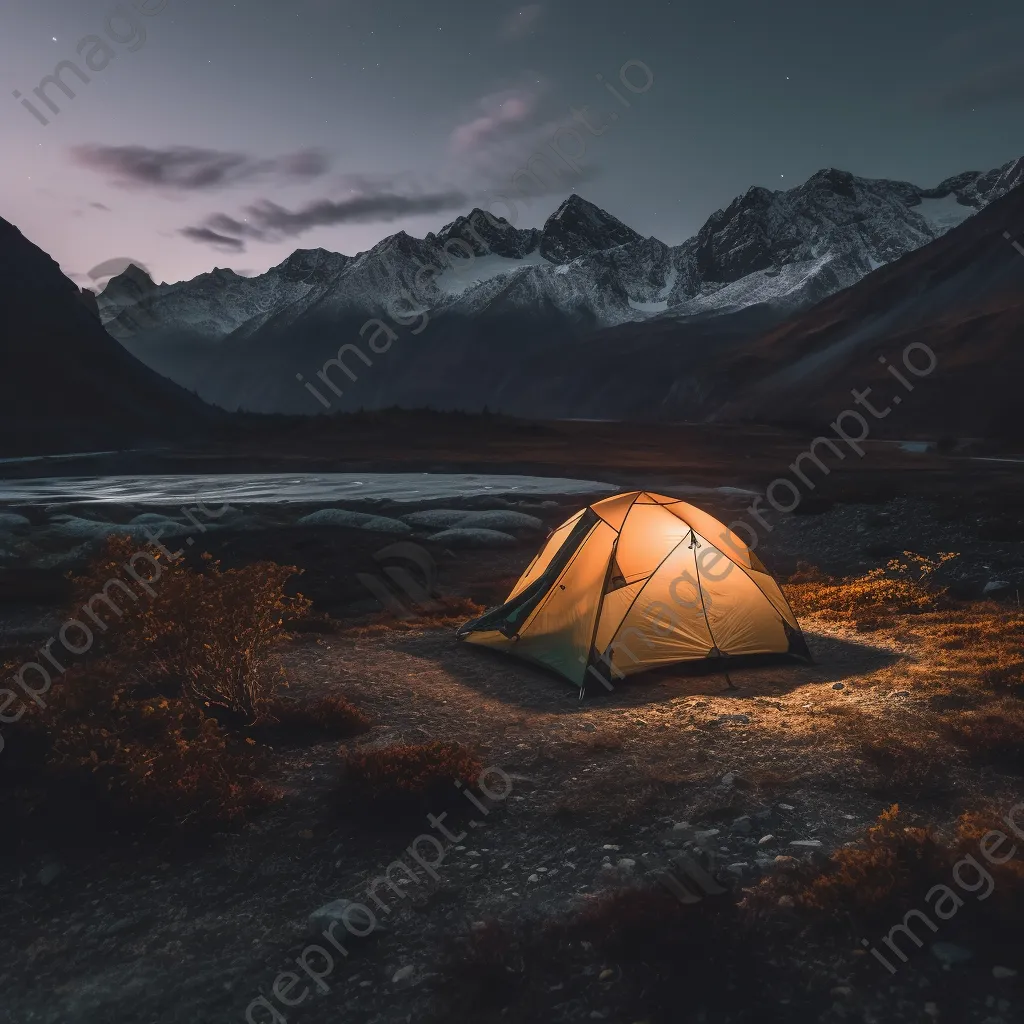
(329, 716)
(410, 773)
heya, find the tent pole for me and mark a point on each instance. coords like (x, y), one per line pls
(694, 544)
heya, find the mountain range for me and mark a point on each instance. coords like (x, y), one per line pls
(578, 318)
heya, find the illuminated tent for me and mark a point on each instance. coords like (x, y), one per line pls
(635, 582)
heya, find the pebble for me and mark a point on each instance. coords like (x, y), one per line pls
(610, 846)
(627, 863)
(743, 825)
(606, 974)
(814, 843)
(738, 868)
(48, 874)
(765, 840)
(403, 973)
(1003, 972)
(786, 901)
(948, 953)
(786, 807)
(838, 686)
(534, 878)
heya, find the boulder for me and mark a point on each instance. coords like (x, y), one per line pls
(436, 518)
(350, 917)
(355, 520)
(461, 538)
(503, 520)
(93, 532)
(10, 522)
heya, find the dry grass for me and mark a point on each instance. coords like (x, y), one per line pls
(451, 613)
(329, 716)
(408, 775)
(903, 586)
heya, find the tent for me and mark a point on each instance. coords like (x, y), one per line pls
(634, 582)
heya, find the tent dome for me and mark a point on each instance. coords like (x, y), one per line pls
(635, 582)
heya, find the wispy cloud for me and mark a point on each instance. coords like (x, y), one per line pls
(210, 237)
(522, 21)
(268, 221)
(496, 116)
(100, 206)
(193, 169)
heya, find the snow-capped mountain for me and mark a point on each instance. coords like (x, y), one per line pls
(242, 342)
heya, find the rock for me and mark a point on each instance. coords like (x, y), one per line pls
(949, 953)
(460, 538)
(337, 913)
(1003, 972)
(706, 837)
(765, 840)
(738, 719)
(809, 843)
(738, 868)
(742, 826)
(996, 588)
(786, 807)
(93, 532)
(165, 526)
(786, 901)
(436, 518)
(729, 779)
(49, 874)
(354, 520)
(403, 974)
(508, 522)
(610, 846)
(606, 974)
(838, 686)
(534, 878)
(626, 864)
(11, 522)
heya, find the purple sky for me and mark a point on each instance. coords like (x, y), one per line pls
(238, 132)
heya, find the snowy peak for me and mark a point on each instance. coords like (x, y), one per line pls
(486, 235)
(578, 228)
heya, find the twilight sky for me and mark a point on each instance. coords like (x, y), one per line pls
(213, 133)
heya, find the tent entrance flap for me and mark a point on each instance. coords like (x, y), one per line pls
(509, 617)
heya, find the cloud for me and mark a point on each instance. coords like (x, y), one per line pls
(522, 22)
(100, 206)
(268, 221)
(1001, 84)
(189, 168)
(499, 114)
(211, 237)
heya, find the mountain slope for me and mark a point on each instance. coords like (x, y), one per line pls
(65, 384)
(961, 296)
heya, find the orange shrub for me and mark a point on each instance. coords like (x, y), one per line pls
(207, 631)
(410, 772)
(139, 759)
(902, 586)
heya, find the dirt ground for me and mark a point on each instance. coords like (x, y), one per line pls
(596, 795)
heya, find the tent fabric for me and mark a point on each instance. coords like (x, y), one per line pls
(635, 582)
